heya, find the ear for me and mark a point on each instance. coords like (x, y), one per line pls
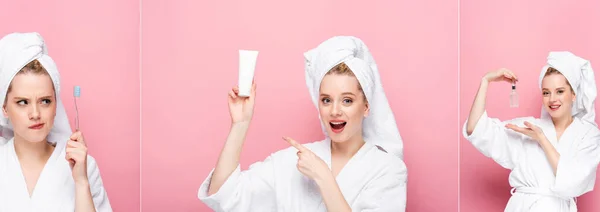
(4, 111)
(367, 110)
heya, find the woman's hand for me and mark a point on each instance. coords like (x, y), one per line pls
(310, 164)
(501, 75)
(241, 108)
(534, 132)
(76, 154)
(313, 167)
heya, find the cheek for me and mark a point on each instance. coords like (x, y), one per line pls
(355, 113)
(323, 111)
(49, 112)
(566, 99)
(570, 98)
(17, 115)
(545, 100)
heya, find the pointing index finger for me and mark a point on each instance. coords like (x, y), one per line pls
(295, 144)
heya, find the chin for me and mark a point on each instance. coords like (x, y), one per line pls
(557, 114)
(339, 137)
(35, 137)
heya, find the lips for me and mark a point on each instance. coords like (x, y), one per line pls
(337, 126)
(36, 126)
(554, 107)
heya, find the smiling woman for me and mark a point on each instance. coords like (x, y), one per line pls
(552, 159)
(44, 166)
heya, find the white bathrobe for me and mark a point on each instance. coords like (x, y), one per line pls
(531, 172)
(54, 190)
(372, 180)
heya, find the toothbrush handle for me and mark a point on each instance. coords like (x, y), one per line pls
(76, 115)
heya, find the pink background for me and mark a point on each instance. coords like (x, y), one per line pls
(190, 62)
(516, 35)
(95, 46)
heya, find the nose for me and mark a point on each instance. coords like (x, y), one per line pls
(553, 98)
(34, 114)
(335, 110)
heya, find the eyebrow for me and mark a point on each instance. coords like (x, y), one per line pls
(25, 98)
(555, 89)
(345, 93)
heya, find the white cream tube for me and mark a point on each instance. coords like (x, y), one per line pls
(246, 71)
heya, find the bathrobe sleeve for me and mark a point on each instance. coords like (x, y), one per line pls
(250, 190)
(385, 193)
(576, 170)
(493, 140)
(99, 196)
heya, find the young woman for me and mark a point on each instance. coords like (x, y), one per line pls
(358, 167)
(552, 159)
(43, 166)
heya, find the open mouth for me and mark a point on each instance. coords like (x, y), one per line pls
(336, 126)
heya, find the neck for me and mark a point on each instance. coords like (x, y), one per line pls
(32, 150)
(348, 148)
(562, 123)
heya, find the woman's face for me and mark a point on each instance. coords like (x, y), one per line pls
(557, 95)
(342, 107)
(31, 107)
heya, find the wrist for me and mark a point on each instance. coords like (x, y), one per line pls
(542, 139)
(240, 124)
(82, 184)
(324, 179)
(484, 80)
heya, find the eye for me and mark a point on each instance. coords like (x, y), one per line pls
(347, 101)
(561, 91)
(545, 93)
(46, 101)
(22, 102)
(325, 100)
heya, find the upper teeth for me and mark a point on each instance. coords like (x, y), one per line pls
(337, 122)
(554, 106)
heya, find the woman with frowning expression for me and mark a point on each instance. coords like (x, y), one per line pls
(43, 165)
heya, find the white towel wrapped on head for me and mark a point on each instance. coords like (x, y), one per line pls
(380, 126)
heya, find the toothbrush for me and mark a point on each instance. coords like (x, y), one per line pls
(76, 94)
